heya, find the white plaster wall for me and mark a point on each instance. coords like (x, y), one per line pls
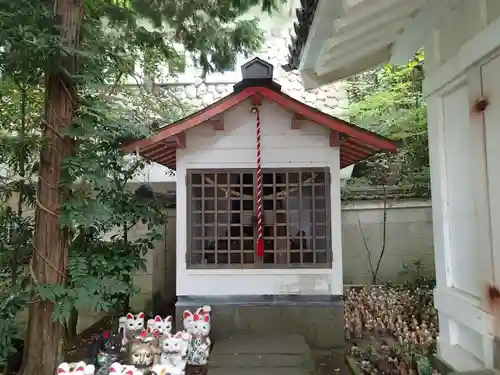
(235, 148)
(459, 70)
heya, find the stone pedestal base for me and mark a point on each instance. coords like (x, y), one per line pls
(320, 319)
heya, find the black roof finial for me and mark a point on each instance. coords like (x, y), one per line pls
(257, 72)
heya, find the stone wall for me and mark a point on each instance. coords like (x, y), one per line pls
(331, 99)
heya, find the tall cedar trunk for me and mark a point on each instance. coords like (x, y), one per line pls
(45, 343)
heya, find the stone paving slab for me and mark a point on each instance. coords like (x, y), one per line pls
(251, 355)
(258, 371)
(286, 344)
(476, 372)
(256, 360)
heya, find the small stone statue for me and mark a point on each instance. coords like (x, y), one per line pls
(199, 348)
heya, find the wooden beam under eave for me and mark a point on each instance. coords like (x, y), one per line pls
(217, 124)
(296, 122)
(336, 139)
(256, 100)
(180, 139)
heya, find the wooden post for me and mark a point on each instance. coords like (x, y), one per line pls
(45, 339)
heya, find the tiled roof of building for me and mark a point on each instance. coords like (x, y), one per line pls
(305, 16)
(356, 193)
(349, 193)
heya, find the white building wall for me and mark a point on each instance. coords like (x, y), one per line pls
(235, 147)
(460, 69)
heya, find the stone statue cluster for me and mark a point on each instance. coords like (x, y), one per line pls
(391, 330)
(141, 347)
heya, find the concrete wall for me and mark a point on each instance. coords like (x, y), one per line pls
(408, 239)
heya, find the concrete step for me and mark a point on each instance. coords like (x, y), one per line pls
(476, 372)
(257, 360)
(286, 344)
(255, 355)
(259, 371)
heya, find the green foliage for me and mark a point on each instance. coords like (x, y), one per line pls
(414, 276)
(99, 209)
(389, 101)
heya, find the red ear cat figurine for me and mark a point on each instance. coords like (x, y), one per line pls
(80, 368)
(130, 325)
(164, 326)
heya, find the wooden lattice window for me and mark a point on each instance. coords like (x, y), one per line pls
(222, 221)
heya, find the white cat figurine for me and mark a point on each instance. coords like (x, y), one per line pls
(118, 369)
(204, 310)
(187, 316)
(199, 348)
(165, 370)
(174, 350)
(164, 326)
(130, 325)
(79, 368)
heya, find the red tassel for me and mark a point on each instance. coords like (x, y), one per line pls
(260, 247)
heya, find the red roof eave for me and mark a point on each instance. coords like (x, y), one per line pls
(364, 143)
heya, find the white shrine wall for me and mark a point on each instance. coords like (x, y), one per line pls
(235, 147)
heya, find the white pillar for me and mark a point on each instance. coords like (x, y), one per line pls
(462, 236)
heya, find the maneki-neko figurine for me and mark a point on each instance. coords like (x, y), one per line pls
(105, 350)
(174, 351)
(119, 369)
(143, 351)
(199, 347)
(79, 368)
(130, 325)
(164, 326)
(187, 316)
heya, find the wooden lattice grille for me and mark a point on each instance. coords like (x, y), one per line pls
(222, 218)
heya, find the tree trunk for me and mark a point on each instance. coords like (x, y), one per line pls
(45, 343)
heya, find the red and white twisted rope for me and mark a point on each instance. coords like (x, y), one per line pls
(260, 240)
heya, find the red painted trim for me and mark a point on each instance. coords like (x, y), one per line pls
(217, 124)
(322, 119)
(159, 152)
(336, 139)
(358, 136)
(355, 150)
(355, 147)
(153, 147)
(181, 139)
(167, 159)
(256, 100)
(199, 118)
(296, 122)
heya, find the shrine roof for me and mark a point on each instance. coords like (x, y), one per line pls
(305, 16)
(355, 143)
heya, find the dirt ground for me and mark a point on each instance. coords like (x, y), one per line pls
(330, 362)
(76, 349)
